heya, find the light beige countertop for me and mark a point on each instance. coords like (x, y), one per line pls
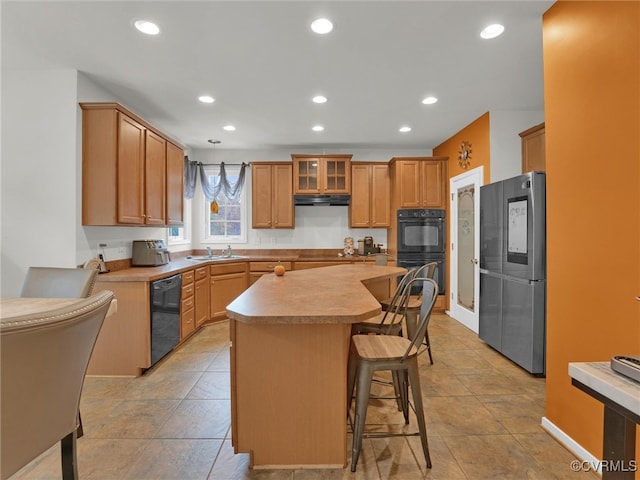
(334, 294)
(600, 377)
(180, 263)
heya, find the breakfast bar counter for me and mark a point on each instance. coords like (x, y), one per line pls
(289, 349)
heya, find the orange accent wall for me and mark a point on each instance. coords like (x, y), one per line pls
(592, 117)
(477, 134)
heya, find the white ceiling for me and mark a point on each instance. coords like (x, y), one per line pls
(262, 64)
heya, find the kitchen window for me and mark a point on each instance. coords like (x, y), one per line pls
(181, 235)
(229, 224)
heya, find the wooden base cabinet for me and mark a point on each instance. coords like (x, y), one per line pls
(126, 165)
(187, 305)
(257, 269)
(370, 195)
(201, 282)
(226, 283)
(123, 346)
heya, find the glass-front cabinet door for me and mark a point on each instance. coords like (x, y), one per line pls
(307, 175)
(320, 174)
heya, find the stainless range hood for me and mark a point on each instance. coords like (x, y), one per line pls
(321, 199)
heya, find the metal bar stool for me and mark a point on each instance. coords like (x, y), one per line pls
(372, 353)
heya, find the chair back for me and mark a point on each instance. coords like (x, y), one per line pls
(428, 270)
(52, 282)
(398, 302)
(429, 297)
(44, 360)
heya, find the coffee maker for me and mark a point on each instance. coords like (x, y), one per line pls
(367, 247)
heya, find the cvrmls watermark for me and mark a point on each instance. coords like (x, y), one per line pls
(604, 465)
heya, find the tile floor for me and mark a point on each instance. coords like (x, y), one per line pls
(482, 411)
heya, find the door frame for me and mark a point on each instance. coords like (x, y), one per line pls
(461, 314)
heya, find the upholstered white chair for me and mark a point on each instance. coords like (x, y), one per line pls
(44, 359)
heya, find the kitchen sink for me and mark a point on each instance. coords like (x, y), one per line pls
(211, 258)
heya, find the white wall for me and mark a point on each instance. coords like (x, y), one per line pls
(39, 173)
(506, 150)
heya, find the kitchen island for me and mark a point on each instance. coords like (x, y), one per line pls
(290, 340)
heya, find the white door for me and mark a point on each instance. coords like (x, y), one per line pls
(464, 247)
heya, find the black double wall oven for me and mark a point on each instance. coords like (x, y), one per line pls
(421, 240)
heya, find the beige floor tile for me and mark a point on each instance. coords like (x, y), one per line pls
(463, 415)
(198, 419)
(236, 467)
(491, 456)
(106, 387)
(221, 363)
(489, 383)
(211, 386)
(134, 419)
(189, 362)
(175, 460)
(518, 413)
(163, 384)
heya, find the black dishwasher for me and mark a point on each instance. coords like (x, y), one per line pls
(165, 316)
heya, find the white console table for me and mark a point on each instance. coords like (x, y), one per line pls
(621, 398)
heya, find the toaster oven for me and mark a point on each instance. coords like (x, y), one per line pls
(149, 253)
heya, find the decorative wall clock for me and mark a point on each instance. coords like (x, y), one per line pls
(464, 155)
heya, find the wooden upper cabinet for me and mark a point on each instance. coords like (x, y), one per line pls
(155, 179)
(175, 185)
(370, 195)
(130, 161)
(272, 195)
(420, 182)
(533, 149)
(321, 174)
(124, 169)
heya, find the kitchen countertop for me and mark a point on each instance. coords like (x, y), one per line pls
(181, 264)
(339, 295)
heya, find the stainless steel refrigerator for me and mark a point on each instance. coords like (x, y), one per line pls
(513, 269)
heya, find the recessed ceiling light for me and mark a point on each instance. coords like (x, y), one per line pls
(229, 128)
(319, 99)
(317, 128)
(404, 129)
(206, 99)
(492, 31)
(429, 100)
(147, 27)
(321, 26)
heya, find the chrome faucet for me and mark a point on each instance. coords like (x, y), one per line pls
(227, 252)
(210, 251)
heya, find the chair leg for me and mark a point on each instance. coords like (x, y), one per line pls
(352, 370)
(80, 430)
(414, 380)
(69, 457)
(396, 390)
(427, 342)
(404, 393)
(365, 375)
